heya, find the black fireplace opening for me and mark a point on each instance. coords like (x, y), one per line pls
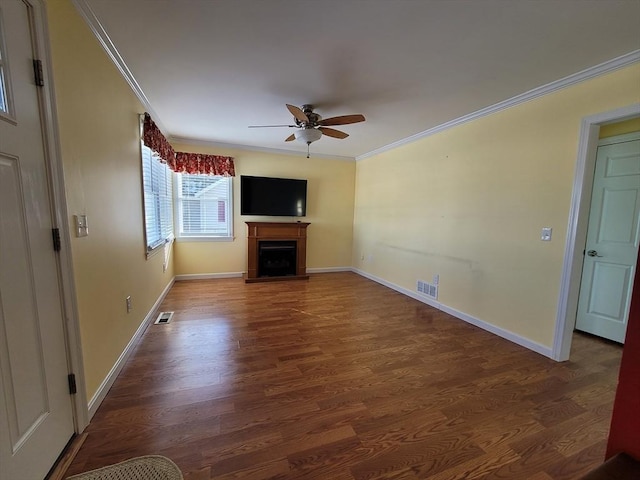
(277, 258)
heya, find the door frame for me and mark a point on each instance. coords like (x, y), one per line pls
(578, 223)
(611, 141)
(59, 214)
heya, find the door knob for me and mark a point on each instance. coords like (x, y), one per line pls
(593, 253)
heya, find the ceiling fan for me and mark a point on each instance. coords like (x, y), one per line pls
(312, 126)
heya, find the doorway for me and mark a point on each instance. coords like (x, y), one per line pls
(611, 247)
(578, 223)
(39, 335)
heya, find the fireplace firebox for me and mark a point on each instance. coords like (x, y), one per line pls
(276, 258)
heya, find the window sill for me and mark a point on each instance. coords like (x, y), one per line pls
(160, 247)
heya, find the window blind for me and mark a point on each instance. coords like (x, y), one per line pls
(204, 206)
(158, 194)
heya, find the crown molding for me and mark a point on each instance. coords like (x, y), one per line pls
(103, 38)
(100, 33)
(589, 73)
(276, 151)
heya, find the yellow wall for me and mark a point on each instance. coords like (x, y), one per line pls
(330, 196)
(99, 134)
(620, 128)
(469, 204)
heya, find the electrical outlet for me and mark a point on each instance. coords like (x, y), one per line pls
(129, 307)
(436, 279)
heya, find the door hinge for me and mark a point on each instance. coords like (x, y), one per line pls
(55, 233)
(38, 74)
(72, 384)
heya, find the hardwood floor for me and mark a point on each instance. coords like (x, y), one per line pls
(341, 378)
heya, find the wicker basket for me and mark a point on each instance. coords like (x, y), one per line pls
(149, 467)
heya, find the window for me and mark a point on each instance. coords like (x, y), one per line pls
(203, 207)
(5, 99)
(158, 206)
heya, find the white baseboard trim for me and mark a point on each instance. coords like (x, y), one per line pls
(106, 384)
(208, 276)
(329, 269)
(501, 332)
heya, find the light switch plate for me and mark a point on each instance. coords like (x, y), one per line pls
(546, 234)
(82, 228)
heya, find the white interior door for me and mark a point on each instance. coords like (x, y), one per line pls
(612, 242)
(36, 413)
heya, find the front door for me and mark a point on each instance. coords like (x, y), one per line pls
(36, 413)
(612, 241)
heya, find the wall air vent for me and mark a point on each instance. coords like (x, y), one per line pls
(163, 317)
(428, 289)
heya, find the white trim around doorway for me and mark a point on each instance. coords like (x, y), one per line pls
(577, 225)
(60, 216)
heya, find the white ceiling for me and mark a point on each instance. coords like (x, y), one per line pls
(211, 68)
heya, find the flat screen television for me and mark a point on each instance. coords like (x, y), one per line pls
(278, 197)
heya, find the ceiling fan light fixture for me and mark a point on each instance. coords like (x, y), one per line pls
(308, 135)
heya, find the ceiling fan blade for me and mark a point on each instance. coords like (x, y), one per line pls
(290, 137)
(342, 120)
(269, 126)
(298, 113)
(332, 132)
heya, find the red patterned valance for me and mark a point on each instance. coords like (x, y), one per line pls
(155, 140)
(183, 162)
(199, 163)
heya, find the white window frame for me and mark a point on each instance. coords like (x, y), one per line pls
(157, 188)
(182, 236)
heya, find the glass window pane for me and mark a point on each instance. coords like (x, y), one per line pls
(4, 100)
(204, 206)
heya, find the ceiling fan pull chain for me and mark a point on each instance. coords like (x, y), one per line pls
(308, 145)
